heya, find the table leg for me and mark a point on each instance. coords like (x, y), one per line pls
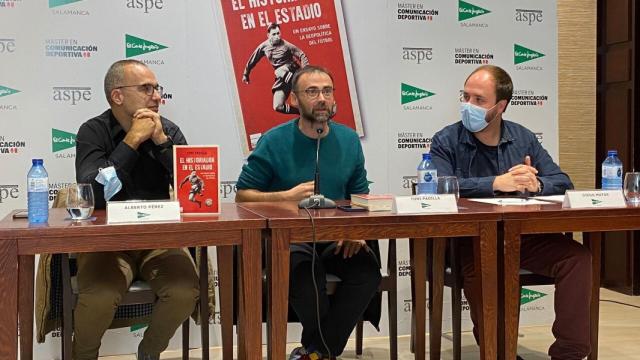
(436, 297)
(511, 296)
(25, 305)
(594, 242)
(9, 299)
(226, 286)
(251, 269)
(278, 288)
(418, 251)
(485, 262)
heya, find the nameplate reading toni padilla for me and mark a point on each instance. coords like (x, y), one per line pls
(593, 199)
(141, 211)
(418, 204)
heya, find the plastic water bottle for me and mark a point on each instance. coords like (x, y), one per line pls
(38, 193)
(612, 171)
(427, 176)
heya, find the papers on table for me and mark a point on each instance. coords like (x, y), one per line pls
(512, 201)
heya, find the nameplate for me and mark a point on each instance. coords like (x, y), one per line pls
(575, 199)
(142, 211)
(417, 204)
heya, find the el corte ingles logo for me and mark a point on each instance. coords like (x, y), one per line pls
(5, 91)
(467, 10)
(136, 46)
(62, 140)
(522, 54)
(411, 93)
(527, 296)
(56, 3)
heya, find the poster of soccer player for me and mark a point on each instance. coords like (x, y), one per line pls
(268, 41)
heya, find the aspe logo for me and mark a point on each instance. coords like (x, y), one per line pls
(145, 5)
(135, 46)
(69, 48)
(415, 12)
(468, 11)
(8, 192)
(417, 55)
(471, 56)
(528, 16)
(72, 94)
(62, 140)
(409, 93)
(228, 188)
(7, 46)
(522, 54)
(528, 295)
(528, 98)
(11, 146)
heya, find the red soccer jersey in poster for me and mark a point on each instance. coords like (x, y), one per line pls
(268, 42)
(196, 178)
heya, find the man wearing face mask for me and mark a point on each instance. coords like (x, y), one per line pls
(126, 153)
(281, 168)
(285, 58)
(490, 157)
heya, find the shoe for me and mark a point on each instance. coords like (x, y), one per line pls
(300, 353)
(518, 357)
(144, 356)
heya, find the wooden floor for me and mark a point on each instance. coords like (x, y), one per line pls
(619, 338)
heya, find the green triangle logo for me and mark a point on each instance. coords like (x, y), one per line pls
(5, 91)
(56, 3)
(62, 140)
(467, 10)
(522, 54)
(596, 202)
(528, 295)
(137, 327)
(410, 93)
(137, 46)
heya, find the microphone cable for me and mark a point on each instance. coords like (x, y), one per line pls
(313, 277)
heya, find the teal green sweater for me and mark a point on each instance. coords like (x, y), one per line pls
(284, 157)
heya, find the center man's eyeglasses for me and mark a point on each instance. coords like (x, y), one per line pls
(146, 88)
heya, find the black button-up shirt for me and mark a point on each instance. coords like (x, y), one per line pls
(146, 174)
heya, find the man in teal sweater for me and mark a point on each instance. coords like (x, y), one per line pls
(282, 168)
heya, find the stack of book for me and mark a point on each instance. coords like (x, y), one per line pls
(373, 202)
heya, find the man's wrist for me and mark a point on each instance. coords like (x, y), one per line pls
(540, 186)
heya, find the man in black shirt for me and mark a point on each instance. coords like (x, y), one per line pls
(130, 147)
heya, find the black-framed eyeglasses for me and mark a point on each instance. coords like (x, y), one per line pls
(313, 92)
(146, 88)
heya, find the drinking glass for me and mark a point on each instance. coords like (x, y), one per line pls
(632, 187)
(448, 185)
(80, 201)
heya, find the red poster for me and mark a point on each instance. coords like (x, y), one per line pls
(196, 178)
(268, 40)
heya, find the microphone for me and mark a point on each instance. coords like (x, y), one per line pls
(317, 200)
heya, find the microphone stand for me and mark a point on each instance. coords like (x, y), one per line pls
(317, 200)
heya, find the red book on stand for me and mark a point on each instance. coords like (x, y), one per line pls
(196, 178)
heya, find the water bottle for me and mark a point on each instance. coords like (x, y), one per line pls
(427, 176)
(38, 193)
(612, 171)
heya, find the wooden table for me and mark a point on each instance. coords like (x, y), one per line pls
(288, 224)
(19, 242)
(552, 218)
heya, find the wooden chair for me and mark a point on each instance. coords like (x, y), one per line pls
(138, 293)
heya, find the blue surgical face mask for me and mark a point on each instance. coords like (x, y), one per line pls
(474, 117)
(109, 178)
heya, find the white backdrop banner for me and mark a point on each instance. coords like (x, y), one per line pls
(409, 60)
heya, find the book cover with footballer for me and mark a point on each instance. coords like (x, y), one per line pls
(267, 42)
(196, 178)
